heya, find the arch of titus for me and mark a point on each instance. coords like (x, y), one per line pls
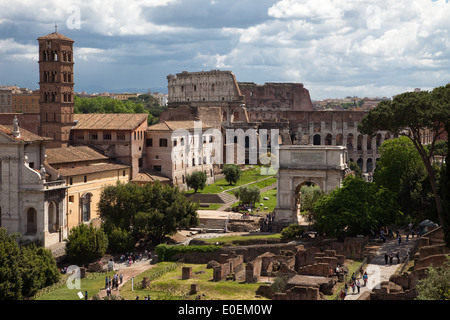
(325, 166)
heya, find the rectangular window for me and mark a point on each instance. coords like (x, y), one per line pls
(70, 181)
(94, 136)
(85, 178)
(157, 168)
(163, 142)
(149, 142)
(120, 136)
(107, 136)
(71, 199)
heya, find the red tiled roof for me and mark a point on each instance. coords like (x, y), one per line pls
(25, 135)
(73, 154)
(82, 170)
(55, 36)
(109, 121)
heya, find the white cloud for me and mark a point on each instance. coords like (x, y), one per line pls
(11, 50)
(329, 45)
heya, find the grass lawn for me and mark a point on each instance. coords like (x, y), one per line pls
(247, 176)
(212, 206)
(270, 204)
(223, 240)
(92, 284)
(171, 286)
(352, 266)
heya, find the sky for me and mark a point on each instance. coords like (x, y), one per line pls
(336, 48)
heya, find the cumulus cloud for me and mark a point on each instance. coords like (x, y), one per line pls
(334, 47)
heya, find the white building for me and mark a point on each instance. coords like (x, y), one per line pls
(176, 149)
(29, 205)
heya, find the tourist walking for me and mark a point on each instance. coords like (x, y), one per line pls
(365, 277)
(358, 285)
(386, 258)
(398, 257)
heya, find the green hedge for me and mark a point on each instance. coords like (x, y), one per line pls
(166, 252)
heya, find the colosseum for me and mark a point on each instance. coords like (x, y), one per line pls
(218, 99)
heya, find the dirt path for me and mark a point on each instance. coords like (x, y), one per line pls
(128, 273)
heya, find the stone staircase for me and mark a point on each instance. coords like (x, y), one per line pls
(227, 198)
(223, 197)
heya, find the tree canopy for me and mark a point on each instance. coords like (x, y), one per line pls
(412, 114)
(356, 208)
(86, 243)
(24, 270)
(232, 173)
(401, 170)
(151, 210)
(248, 195)
(196, 180)
(144, 103)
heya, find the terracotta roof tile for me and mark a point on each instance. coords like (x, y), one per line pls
(55, 36)
(93, 168)
(72, 154)
(25, 135)
(109, 121)
(176, 125)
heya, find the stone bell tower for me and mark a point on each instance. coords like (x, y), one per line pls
(56, 88)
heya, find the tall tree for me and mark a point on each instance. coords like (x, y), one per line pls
(356, 208)
(411, 114)
(196, 180)
(152, 210)
(248, 195)
(401, 170)
(232, 173)
(441, 97)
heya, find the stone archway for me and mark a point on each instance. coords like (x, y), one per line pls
(307, 182)
(324, 166)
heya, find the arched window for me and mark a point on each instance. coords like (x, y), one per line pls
(360, 163)
(86, 207)
(328, 140)
(360, 141)
(350, 141)
(369, 165)
(339, 139)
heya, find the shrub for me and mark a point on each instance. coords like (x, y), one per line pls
(165, 252)
(232, 173)
(196, 180)
(293, 231)
(86, 243)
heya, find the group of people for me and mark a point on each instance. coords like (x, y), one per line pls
(132, 257)
(390, 257)
(411, 232)
(355, 284)
(113, 283)
(266, 224)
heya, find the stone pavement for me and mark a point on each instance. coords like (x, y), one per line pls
(377, 269)
(128, 273)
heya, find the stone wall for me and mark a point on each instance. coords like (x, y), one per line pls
(299, 293)
(229, 264)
